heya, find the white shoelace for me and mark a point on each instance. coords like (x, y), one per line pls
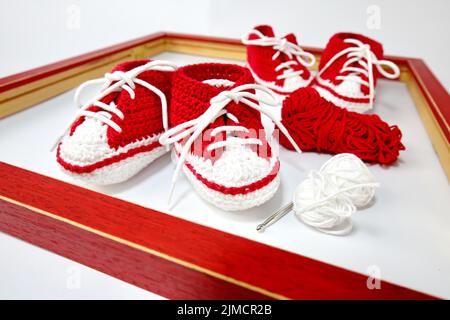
(122, 81)
(356, 54)
(195, 127)
(294, 52)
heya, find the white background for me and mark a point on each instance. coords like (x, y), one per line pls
(33, 33)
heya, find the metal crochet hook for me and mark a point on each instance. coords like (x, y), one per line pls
(280, 213)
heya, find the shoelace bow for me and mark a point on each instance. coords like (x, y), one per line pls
(293, 51)
(356, 54)
(116, 81)
(194, 128)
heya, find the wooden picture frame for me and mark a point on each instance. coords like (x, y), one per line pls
(170, 256)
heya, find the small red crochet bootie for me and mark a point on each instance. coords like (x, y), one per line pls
(116, 133)
(218, 137)
(349, 69)
(318, 125)
(277, 63)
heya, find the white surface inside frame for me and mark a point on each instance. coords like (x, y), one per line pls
(403, 237)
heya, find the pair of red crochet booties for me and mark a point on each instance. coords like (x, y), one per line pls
(323, 112)
(214, 114)
(348, 70)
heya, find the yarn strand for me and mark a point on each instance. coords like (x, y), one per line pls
(318, 125)
(327, 199)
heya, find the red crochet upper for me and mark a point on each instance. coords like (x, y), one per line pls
(260, 60)
(143, 114)
(337, 44)
(316, 124)
(191, 98)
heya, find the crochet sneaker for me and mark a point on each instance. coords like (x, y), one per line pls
(219, 140)
(277, 63)
(348, 71)
(116, 134)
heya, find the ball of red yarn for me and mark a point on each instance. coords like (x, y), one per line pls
(316, 124)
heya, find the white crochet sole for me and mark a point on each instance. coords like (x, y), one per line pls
(230, 202)
(118, 171)
(350, 106)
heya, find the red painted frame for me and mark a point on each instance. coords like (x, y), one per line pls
(167, 255)
(279, 273)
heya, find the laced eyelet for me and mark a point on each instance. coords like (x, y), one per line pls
(296, 55)
(194, 128)
(117, 81)
(357, 53)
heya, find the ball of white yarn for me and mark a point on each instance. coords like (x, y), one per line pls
(347, 171)
(328, 197)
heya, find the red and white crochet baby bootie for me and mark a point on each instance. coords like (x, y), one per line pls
(277, 63)
(218, 137)
(348, 71)
(116, 134)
